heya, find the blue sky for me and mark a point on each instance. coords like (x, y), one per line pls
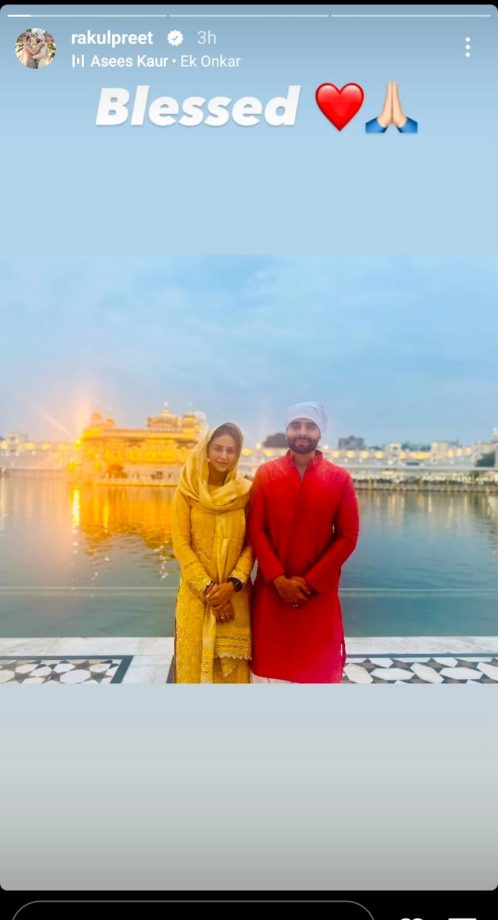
(397, 348)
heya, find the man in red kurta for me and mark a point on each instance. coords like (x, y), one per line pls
(303, 525)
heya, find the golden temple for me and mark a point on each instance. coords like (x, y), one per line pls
(153, 455)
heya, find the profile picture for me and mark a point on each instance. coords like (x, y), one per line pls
(35, 48)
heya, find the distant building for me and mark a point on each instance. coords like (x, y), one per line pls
(155, 453)
(488, 459)
(14, 443)
(19, 453)
(441, 451)
(409, 446)
(276, 440)
(351, 443)
(393, 450)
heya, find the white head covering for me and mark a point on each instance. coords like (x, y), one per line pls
(313, 410)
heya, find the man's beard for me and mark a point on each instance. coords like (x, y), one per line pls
(309, 444)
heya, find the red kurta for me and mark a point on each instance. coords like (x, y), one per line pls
(304, 527)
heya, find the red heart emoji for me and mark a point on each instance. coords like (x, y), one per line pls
(339, 105)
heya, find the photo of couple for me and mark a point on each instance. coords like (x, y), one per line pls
(35, 48)
(217, 539)
(298, 521)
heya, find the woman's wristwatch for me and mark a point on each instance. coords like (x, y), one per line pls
(237, 584)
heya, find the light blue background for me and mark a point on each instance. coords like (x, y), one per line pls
(306, 189)
(257, 788)
(319, 788)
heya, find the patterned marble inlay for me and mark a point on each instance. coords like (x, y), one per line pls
(456, 668)
(73, 669)
(445, 669)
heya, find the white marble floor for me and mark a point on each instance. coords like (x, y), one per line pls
(141, 660)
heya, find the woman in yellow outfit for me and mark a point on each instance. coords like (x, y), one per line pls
(213, 631)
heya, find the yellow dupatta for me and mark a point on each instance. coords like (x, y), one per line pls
(223, 501)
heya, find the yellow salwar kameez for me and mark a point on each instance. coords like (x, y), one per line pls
(210, 544)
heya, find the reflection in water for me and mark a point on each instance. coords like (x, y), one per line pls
(112, 516)
(440, 512)
(3, 503)
(126, 519)
(425, 540)
(55, 534)
(48, 527)
(492, 511)
(118, 538)
(76, 506)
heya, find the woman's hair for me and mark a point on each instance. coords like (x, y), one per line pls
(230, 429)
